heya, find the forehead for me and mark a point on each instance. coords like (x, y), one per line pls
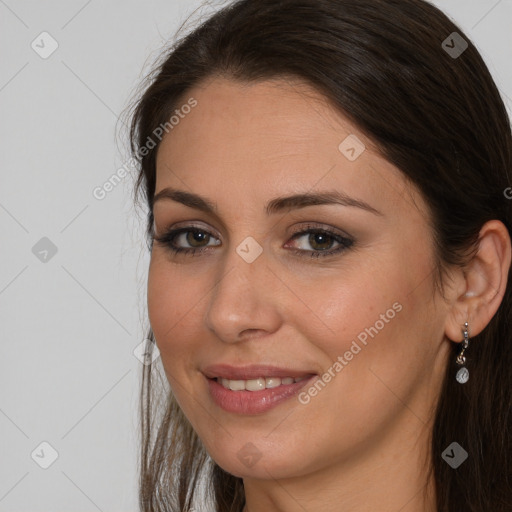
(269, 119)
(270, 138)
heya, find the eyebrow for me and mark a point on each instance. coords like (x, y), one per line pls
(274, 206)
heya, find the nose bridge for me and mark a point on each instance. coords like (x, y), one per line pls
(242, 297)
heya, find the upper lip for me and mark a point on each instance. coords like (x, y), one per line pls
(252, 371)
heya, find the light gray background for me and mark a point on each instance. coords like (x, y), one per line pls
(70, 325)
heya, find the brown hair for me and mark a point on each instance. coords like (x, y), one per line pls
(436, 116)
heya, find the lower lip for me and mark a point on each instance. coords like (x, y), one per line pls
(253, 402)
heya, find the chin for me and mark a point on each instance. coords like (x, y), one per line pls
(257, 462)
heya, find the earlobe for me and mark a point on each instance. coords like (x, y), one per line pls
(483, 281)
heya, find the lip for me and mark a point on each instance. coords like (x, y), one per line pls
(252, 371)
(253, 402)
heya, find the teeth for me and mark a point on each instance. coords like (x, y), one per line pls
(272, 382)
(257, 384)
(236, 385)
(254, 384)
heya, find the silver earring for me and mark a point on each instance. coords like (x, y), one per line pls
(463, 373)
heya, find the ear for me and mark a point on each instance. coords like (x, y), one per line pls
(481, 284)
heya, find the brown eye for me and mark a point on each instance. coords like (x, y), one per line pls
(321, 242)
(196, 239)
(318, 242)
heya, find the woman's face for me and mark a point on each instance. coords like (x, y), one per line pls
(342, 293)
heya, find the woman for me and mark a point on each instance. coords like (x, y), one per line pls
(329, 287)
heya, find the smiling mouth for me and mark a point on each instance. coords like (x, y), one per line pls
(256, 395)
(257, 384)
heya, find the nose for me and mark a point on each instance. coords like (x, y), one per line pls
(244, 302)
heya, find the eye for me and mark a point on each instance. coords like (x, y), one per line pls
(320, 240)
(193, 236)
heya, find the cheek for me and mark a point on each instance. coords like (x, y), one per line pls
(173, 301)
(365, 328)
(367, 361)
(353, 306)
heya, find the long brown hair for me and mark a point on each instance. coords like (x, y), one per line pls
(438, 117)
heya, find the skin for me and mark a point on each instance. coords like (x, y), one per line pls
(361, 444)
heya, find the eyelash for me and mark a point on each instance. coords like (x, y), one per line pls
(167, 239)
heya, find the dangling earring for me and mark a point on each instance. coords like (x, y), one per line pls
(463, 373)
